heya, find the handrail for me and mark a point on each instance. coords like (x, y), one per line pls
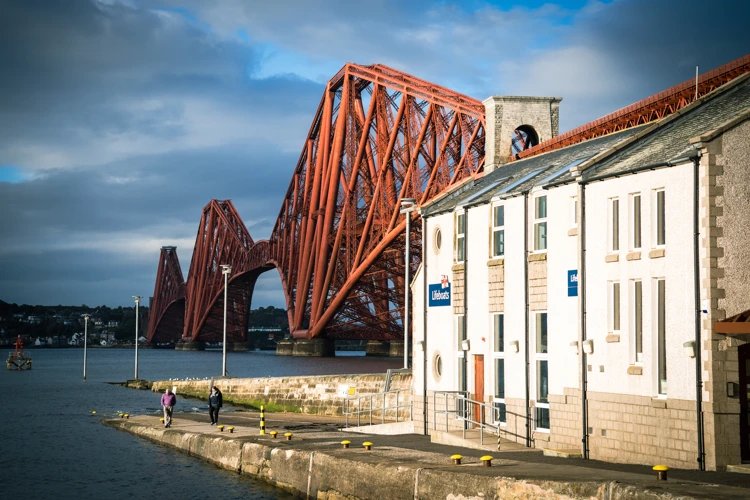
(370, 409)
(464, 409)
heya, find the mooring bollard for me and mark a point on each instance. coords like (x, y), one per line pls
(346, 443)
(161, 420)
(288, 436)
(273, 434)
(221, 428)
(456, 459)
(486, 461)
(127, 415)
(230, 429)
(262, 420)
(661, 472)
(367, 445)
(121, 415)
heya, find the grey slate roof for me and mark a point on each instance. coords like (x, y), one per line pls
(670, 139)
(504, 180)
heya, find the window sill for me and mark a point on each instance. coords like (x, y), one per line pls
(496, 261)
(613, 257)
(534, 257)
(656, 253)
(573, 231)
(635, 370)
(457, 267)
(659, 402)
(635, 255)
(613, 338)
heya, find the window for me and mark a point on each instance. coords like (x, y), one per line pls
(636, 226)
(614, 306)
(498, 231)
(438, 239)
(460, 331)
(661, 331)
(574, 208)
(437, 366)
(542, 374)
(499, 355)
(638, 320)
(540, 223)
(460, 236)
(661, 235)
(614, 225)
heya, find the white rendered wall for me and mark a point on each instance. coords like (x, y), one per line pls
(676, 267)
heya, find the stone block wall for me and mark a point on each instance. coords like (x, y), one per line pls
(496, 268)
(538, 282)
(316, 395)
(457, 289)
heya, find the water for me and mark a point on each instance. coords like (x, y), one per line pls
(51, 446)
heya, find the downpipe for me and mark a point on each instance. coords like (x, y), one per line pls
(698, 344)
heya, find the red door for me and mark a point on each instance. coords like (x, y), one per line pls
(478, 386)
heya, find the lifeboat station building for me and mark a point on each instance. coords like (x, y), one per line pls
(594, 299)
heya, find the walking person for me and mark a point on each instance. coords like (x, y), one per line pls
(168, 400)
(215, 401)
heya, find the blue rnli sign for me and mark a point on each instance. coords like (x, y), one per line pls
(573, 283)
(440, 294)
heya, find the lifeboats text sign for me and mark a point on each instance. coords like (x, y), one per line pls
(440, 294)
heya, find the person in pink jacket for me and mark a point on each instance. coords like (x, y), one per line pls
(168, 400)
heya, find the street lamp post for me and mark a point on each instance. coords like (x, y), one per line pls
(226, 270)
(85, 341)
(408, 205)
(137, 301)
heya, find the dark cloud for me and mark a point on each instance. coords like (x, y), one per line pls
(127, 117)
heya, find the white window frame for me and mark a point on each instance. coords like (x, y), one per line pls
(538, 222)
(460, 329)
(495, 356)
(540, 357)
(574, 212)
(613, 225)
(460, 238)
(657, 216)
(497, 229)
(637, 357)
(614, 307)
(636, 222)
(660, 337)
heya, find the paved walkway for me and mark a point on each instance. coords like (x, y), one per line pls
(415, 451)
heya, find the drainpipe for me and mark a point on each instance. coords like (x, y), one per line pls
(425, 294)
(584, 358)
(465, 383)
(698, 343)
(526, 314)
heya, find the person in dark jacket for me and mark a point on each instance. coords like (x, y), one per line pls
(168, 400)
(215, 401)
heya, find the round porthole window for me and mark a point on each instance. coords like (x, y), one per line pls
(437, 366)
(438, 239)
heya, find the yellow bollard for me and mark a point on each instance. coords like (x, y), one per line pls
(367, 445)
(288, 436)
(93, 412)
(456, 459)
(230, 429)
(127, 415)
(486, 461)
(121, 415)
(262, 420)
(346, 443)
(273, 434)
(661, 472)
(221, 428)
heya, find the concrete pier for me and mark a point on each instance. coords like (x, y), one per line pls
(396, 349)
(378, 348)
(305, 348)
(190, 346)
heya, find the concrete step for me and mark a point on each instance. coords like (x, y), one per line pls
(473, 440)
(570, 453)
(741, 468)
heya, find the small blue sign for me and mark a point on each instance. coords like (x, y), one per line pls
(573, 283)
(440, 295)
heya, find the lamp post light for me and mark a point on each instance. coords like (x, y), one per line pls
(408, 205)
(137, 301)
(85, 342)
(226, 270)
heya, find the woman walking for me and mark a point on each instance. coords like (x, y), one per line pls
(215, 401)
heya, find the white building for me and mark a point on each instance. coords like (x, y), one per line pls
(608, 265)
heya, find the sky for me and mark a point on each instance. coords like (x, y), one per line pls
(121, 119)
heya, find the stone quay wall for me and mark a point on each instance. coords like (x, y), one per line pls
(321, 395)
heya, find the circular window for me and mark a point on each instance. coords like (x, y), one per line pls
(438, 239)
(437, 366)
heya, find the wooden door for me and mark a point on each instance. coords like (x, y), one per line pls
(478, 386)
(743, 354)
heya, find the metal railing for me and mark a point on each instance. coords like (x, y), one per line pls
(354, 405)
(469, 412)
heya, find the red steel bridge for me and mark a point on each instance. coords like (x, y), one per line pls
(379, 135)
